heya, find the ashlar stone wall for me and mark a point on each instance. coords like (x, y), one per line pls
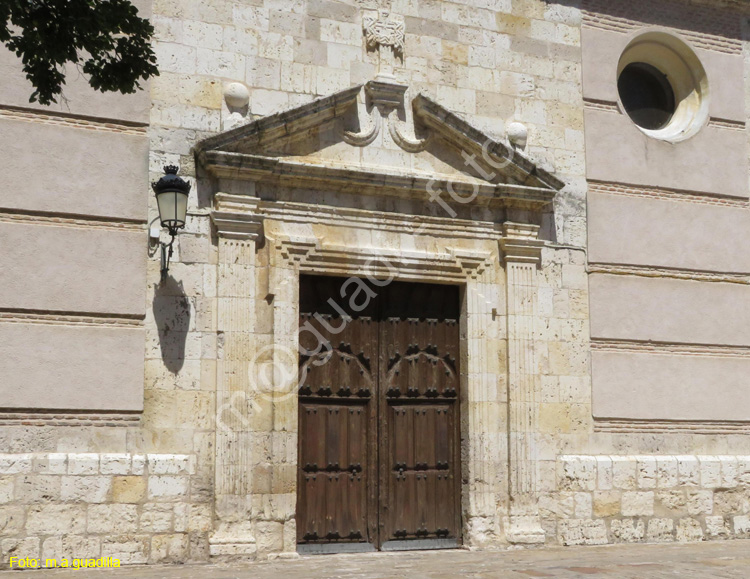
(649, 498)
(137, 508)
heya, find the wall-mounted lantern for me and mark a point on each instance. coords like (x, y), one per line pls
(172, 198)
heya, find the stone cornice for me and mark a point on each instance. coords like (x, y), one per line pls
(284, 124)
(250, 153)
(289, 172)
(457, 130)
(521, 243)
(236, 217)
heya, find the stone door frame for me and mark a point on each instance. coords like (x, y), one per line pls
(253, 517)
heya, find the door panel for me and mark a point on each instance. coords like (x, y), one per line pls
(336, 482)
(419, 376)
(379, 457)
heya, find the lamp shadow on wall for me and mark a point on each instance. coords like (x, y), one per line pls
(172, 314)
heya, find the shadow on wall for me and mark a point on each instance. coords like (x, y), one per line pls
(172, 316)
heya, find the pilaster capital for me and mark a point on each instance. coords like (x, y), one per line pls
(521, 243)
(237, 217)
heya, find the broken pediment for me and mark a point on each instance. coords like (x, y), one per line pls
(378, 147)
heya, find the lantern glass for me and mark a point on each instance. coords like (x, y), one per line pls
(172, 209)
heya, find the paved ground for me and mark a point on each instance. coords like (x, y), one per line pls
(695, 561)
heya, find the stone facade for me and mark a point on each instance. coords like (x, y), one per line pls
(650, 498)
(327, 137)
(134, 507)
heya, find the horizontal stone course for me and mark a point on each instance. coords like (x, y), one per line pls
(649, 498)
(135, 507)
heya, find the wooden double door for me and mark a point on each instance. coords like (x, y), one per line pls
(379, 457)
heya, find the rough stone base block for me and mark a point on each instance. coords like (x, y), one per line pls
(648, 498)
(136, 508)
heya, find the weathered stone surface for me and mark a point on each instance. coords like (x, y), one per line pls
(717, 528)
(637, 503)
(112, 519)
(660, 530)
(700, 502)
(582, 532)
(689, 530)
(627, 530)
(56, 519)
(128, 489)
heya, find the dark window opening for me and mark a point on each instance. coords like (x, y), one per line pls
(647, 95)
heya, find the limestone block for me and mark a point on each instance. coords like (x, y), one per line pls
(710, 467)
(52, 463)
(71, 547)
(743, 470)
(688, 471)
(583, 505)
(169, 548)
(15, 463)
(115, 463)
(112, 519)
(139, 463)
(730, 502)
(606, 503)
(6, 489)
(167, 487)
(638, 503)
(290, 537)
(742, 527)
(667, 475)
(156, 518)
(623, 472)
(700, 502)
(56, 519)
(561, 505)
(578, 473)
(129, 549)
(37, 488)
(88, 489)
(11, 520)
(689, 530)
(582, 532)
(627, 530)
(729, 471)
(660, 531)
(181, 517)
(200, 518)
(269, 537)
(128, 489)
(171, 464)
(646, 468)
(671, 501)
(604, 472)
(21, 548)
(717, 528)
(83, 463)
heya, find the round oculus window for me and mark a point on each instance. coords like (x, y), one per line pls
(646, 95)
(662, 86)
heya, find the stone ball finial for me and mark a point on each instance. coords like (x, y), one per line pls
(518, 134)
(236, 95)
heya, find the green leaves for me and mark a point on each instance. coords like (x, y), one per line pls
(106, 39)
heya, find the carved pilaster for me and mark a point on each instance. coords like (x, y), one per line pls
(239, 228)
(522, 251)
